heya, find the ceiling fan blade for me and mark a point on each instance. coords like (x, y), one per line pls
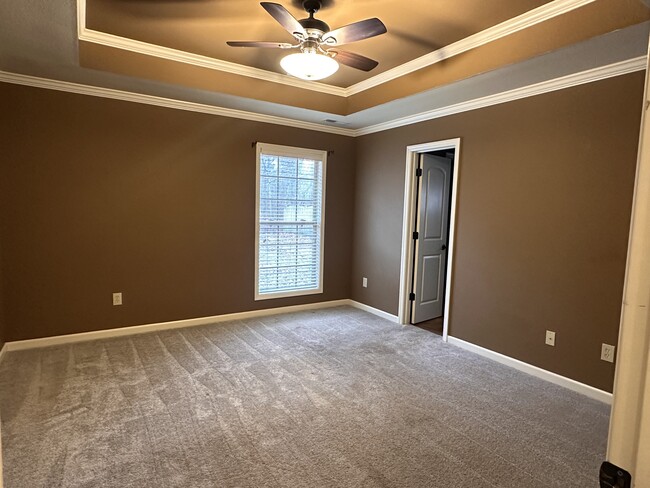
(277, 45)
(282, 15)
(355, 32)
(355, 60)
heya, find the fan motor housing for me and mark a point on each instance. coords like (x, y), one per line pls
(312, 23)
(311, 6)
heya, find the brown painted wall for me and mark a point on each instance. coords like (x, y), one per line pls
(101, 196)
(544, 199)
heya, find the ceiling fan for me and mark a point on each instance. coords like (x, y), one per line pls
(318, 54)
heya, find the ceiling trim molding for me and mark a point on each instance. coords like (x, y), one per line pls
(169, 54)
(185, 57)
(516, 24)
(568, 81)
(528, 19)
(65, 86)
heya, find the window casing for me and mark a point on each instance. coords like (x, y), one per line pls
(289, 221)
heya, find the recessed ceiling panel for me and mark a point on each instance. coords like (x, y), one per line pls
(415, 27)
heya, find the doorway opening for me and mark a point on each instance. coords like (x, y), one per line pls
(428, 232)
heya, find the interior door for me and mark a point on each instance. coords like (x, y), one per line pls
(432, 231)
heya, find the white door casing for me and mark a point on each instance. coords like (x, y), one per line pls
(432, 228)
(406, 265)
(629, 430)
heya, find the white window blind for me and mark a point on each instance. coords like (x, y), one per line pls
(290, 190)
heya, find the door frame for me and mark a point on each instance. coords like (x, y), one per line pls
(408, 226)
(628, 444)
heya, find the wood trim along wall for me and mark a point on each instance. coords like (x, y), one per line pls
(177, 324)
(155, 327)
(557, 379)
(580, 78)
(97, 91)
(575, 79)
(375, 311)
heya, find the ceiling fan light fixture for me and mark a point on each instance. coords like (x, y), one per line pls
(309, 65)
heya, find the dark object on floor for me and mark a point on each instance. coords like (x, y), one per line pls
(611, 476)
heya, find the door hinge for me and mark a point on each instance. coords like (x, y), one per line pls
(415, 236)
(418, 172)
(411, 296)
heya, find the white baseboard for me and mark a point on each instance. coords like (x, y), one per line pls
(587, 390)
(574, 385)
(374, 311)
(176, 324)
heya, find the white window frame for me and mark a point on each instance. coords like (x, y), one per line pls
(295, 152)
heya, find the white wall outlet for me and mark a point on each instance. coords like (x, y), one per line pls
(550, 338)
(117, 298)
(364, 282)
(607, 353)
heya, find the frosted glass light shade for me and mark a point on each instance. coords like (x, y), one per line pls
(309, 66)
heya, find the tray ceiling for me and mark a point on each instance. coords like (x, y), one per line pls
(202, 27)
(429, 44)
(445, 54)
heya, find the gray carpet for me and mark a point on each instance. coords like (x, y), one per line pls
(330, 398)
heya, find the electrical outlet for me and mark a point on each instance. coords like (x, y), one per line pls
(117, 298)
(550, 338)
(364, 282)
(607, 353)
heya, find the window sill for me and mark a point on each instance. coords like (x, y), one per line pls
(287, 294)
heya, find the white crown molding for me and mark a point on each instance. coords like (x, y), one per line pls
(140, 47)
(583, 77)
(523, 21)
(555, 378)
(205, 62)
(580, 78)
(96, 91)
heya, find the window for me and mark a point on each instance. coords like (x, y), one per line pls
(289, 221)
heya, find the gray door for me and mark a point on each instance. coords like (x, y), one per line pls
(432, 227)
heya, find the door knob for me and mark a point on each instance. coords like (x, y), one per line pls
(443, 247)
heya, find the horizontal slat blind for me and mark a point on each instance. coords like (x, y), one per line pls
(290, 211)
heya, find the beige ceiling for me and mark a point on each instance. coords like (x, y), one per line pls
(415, 28)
